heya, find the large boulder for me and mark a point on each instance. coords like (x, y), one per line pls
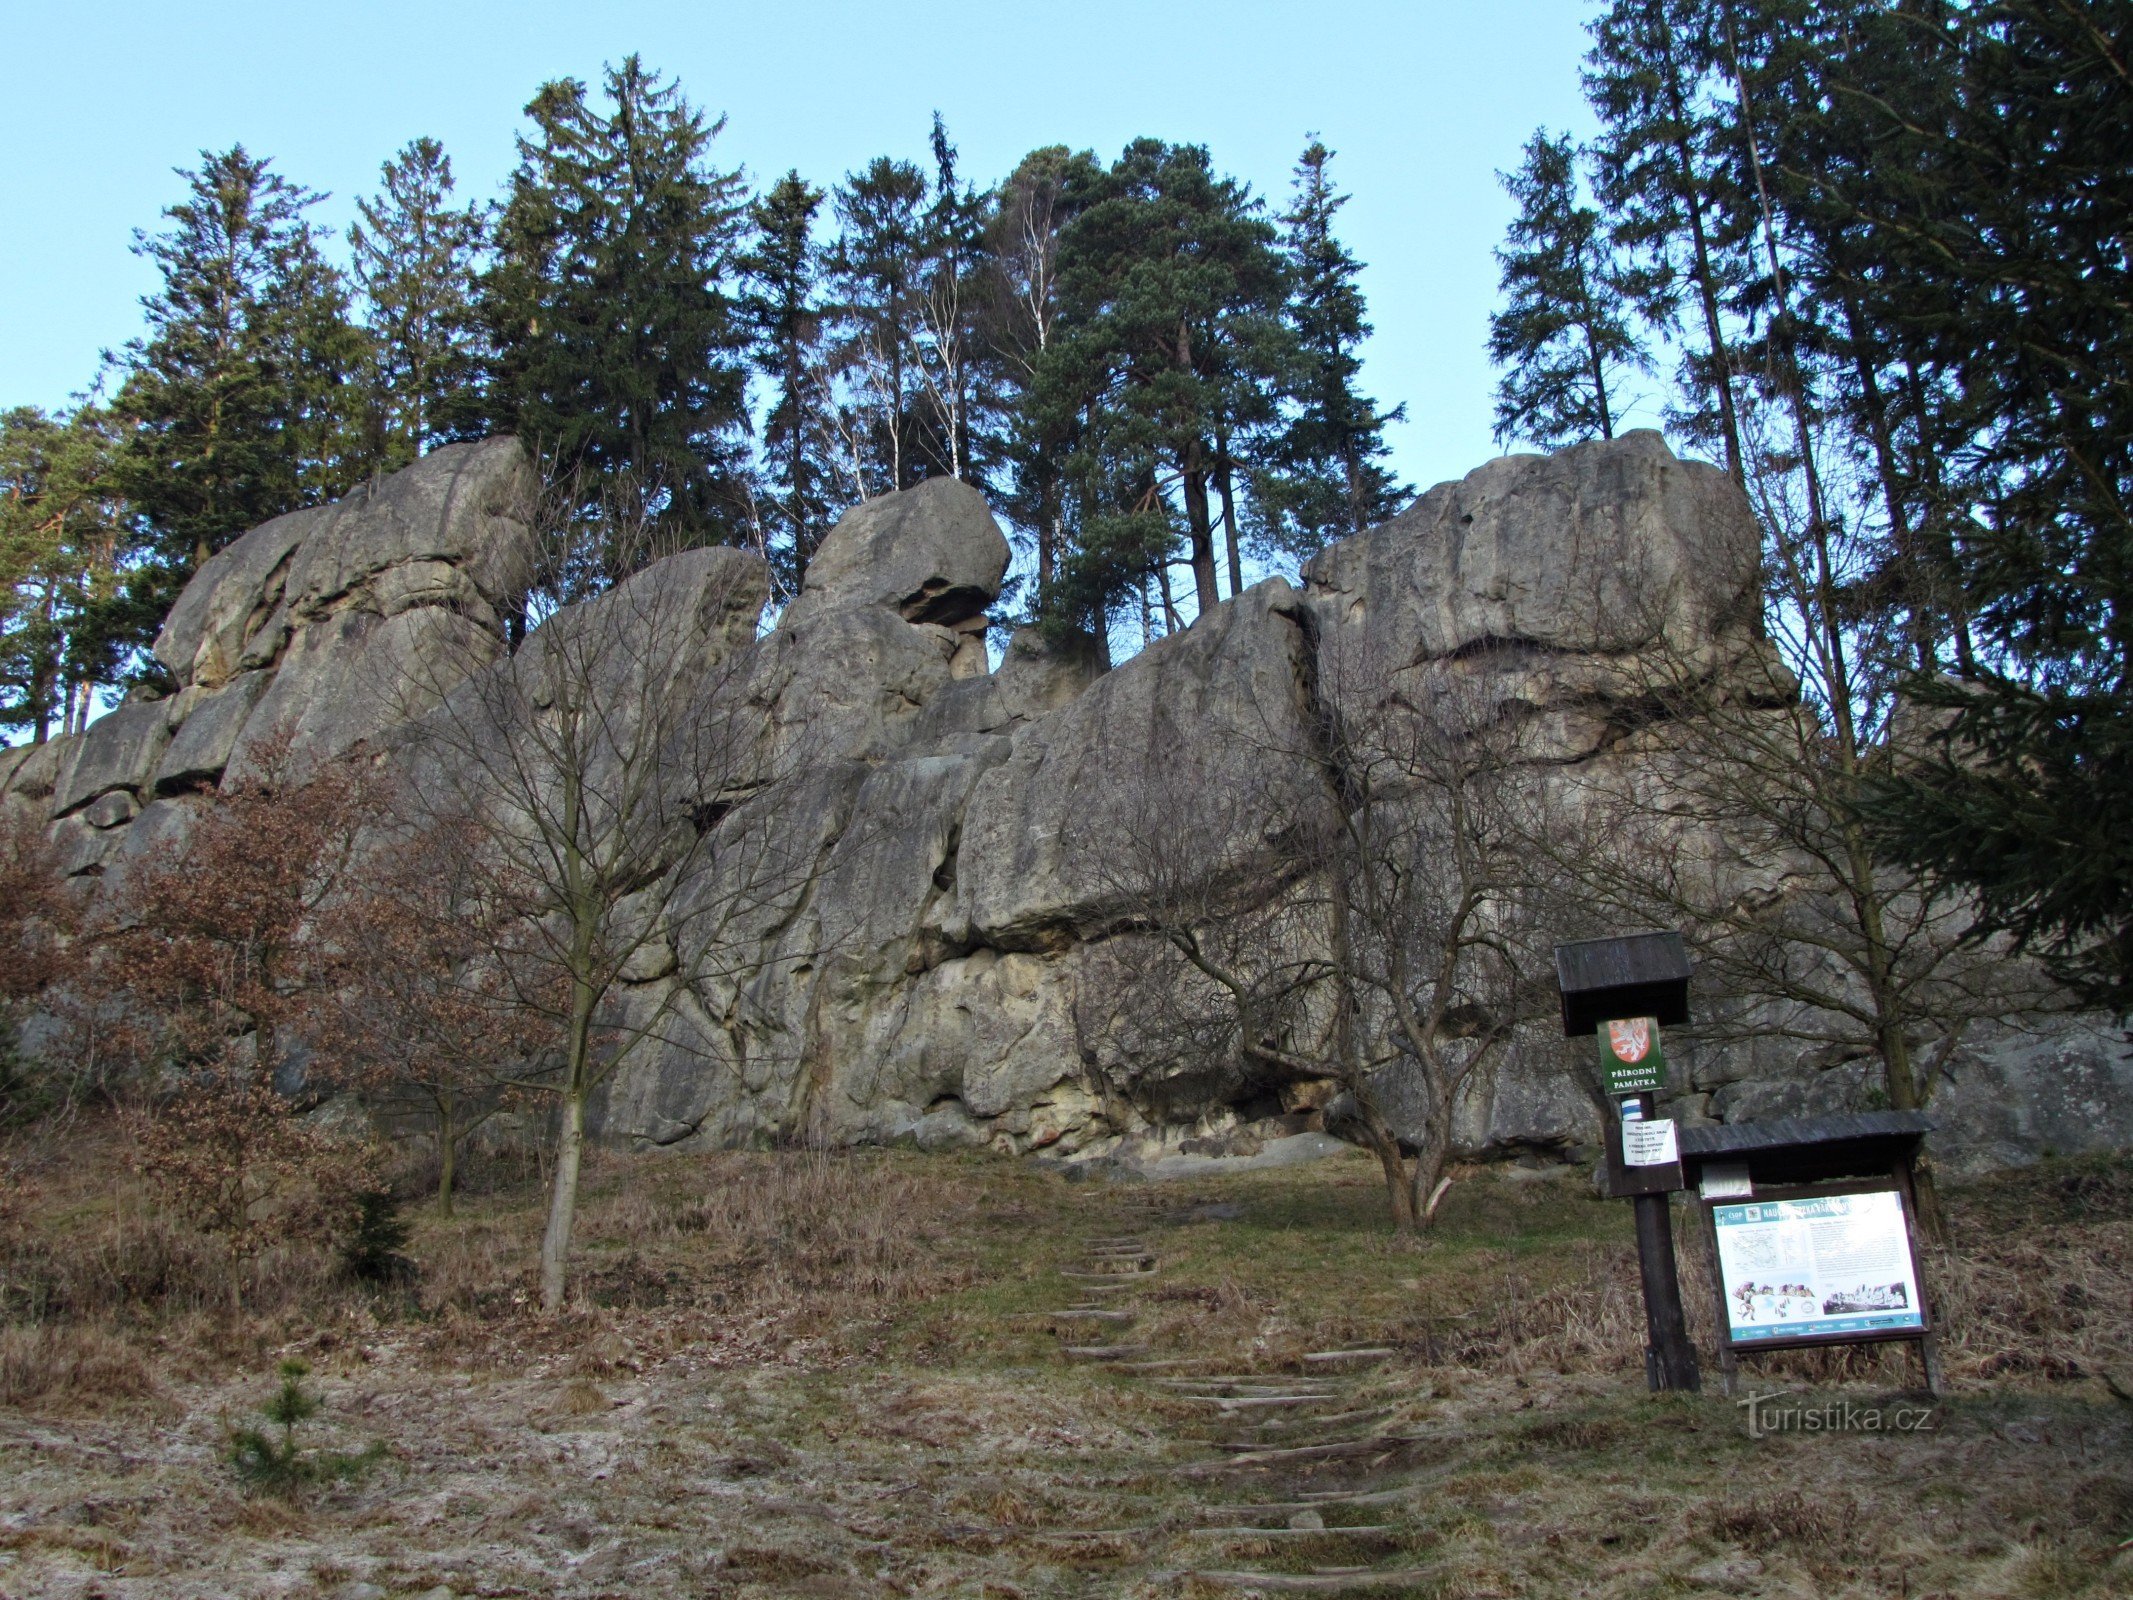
(893, 894)
(930, 553)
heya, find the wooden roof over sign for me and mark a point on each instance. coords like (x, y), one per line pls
(1742, 1138)
(1634, 975)
(1806, 1149)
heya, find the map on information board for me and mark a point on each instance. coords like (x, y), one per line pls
(1831, 1266)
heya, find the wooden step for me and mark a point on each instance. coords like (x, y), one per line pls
(1103, 1352)
(1329, 1580)
(1330, 1357)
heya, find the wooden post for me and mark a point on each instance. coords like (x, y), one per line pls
(1669, 1358)
(1929, 1340)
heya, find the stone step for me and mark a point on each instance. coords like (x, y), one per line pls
(1245, 1456)
(1312, 1501)
(1254, 1402)
(1240, 1531)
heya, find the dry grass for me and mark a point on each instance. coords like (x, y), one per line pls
(72, 1367)
(811, 1373)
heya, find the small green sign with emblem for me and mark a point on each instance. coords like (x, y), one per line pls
(1630, 1056)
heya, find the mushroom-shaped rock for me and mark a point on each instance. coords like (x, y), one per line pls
(931, 553)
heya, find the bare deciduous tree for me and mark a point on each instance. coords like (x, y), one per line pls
(1736, 819)
(594, 770)
(422, 1013)
(1381, 938)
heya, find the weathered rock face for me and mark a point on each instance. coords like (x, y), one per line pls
(949, 956)
(314, 632)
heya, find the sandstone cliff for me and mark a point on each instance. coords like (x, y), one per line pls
(951, 961)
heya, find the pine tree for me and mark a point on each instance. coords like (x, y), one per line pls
(876, 269)
(239, 398)
(617, 355)
(61, 532)
(415, 256)
(782, 309)
(1330, 476)
(1563, 336)
(1172, 338)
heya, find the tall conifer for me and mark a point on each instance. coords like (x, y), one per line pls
(876, 268)
(784, 314)
(617, 351)
(1331, 477)
(239, 400)
(1563, 337)
(415, 256)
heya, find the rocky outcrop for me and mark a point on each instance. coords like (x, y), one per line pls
(949, 954)
(303, 638)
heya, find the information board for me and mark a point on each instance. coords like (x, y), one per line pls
(1833, 1266)
(1630, 1057)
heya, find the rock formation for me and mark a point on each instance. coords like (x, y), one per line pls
(948, 961)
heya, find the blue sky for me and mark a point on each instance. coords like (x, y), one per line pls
(1424, 102)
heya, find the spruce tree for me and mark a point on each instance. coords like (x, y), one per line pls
(2002, 213)
(617, 354)
(1563, 337)
(415, 256)
(1648, 76)
(1330, 477)
(240, 399)
(781, 307)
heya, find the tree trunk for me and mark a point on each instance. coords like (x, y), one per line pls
(1225, 473)
(1706, 283)
(447, 1155)
(1398, 1189)
(563, 1200)
(1170, 604)
(1200, 523)
(1430, 1162)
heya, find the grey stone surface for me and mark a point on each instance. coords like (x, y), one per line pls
(1602, 549)
(931, 553)
(118, 751)
(451, 530)
(233, 593)
(895, 904)
(209, 721)
(1173, 740)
